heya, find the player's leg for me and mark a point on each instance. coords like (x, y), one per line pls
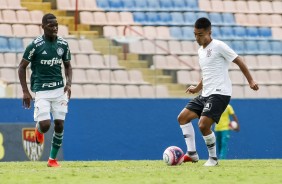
(224, 145)
(190, 112)
(218, 135)
(43, 119)
(213, 108)
(59, 110)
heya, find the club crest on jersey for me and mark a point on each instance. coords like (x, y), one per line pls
(32, 150)
(207, 107)
(209, 52)
(60, 51)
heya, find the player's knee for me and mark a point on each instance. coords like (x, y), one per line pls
(203, 127)
(59, 126)
(45, 125)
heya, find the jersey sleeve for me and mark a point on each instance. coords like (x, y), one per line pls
(67, 54)
(29, 52)
(227, 52)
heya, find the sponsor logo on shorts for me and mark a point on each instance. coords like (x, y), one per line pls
(32, 150)
(207, 107)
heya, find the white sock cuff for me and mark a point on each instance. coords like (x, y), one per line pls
(209, 139)
(186, 125)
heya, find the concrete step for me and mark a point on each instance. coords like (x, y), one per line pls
(133, 64)
(85, 34)
(31, 1)
(37, 5)
(80, 27)
(106, 50)
(129, 56)
(149, 72)
(65, 20)
(175, 86)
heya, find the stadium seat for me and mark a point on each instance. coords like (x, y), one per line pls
(166, 5)
(176, 32)
(11, 59)
(172, 62)
(33, 30)
(90, 91)
(276, 33)
(64, 5)
(238, 46)
(163, 33)
(111, 61)
(187, 62)
(88, 5)
(9, 75)
(16, 44)
(266, 6)
(205, 5)
(99, 18)
(136, 77)
(150, 32)
(120, 77)
(237, 77)
(276, 20)
(161, 91)
(227, 32)
(128, 5)
(86, 17)
(175, 47)
(276, 61)
(184, 77)
(253, 6)
(19, 30)
(251, 61)
(275, 77)
(79, 76)
(115, 5)
(106, 76)
(153, 5)
(117, 91)
(189, 18)
(264, 62)
(192, 5)
(200, 15)
(82, 61)
(229, 6)
(14, 4)
(265, 20)
(216, 33)
(103, 4)
(86, 46)
(159, 62)
(228, 19)
(264, 47)
(164, 18)
(126, 18)
(251, 47)
(241, 6)
(110, 31)
(152, 18)
(140, 5)
(275, 91)
(252, 32)
(217, 5)
(103, 90)
(263, 92)
(132, 91)
(265, 32)
(77, 91)
(188, 33)
(140, 17)
(276, 47)
(161, 47)
(136, 47)
(147, 91)
(237, 91)
(6, 30)
(113, 18)
(253, 20)
(93, 76)
(277, 6)
(262, 76)
(180, 5)
(215, 18)
(239, 32)
(241, 18)
(23, 16)
(97, 61)
(189, 47)
(177, 18)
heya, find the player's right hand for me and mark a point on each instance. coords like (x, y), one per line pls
(27, 98)
(191, 89)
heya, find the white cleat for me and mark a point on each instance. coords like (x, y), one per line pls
(191, 158)
(211, 162)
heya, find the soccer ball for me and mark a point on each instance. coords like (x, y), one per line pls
(173, 155)
(233, 125)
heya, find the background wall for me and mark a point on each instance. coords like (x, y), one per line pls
(121, 129)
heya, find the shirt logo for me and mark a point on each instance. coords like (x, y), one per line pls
(209, 52)
(44, 52)
(60, 51)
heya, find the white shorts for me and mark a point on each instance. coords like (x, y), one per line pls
(44, 106)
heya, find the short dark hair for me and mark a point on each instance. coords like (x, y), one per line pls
(48, 16)
(203, 23)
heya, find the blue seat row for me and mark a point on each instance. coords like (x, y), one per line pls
(148, 5)
(256, 47)
(224, 32)
(178, 18)
(11, 44)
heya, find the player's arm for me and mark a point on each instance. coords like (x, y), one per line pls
(68, 75)
(246, 72)
(195, 89)
(22, 76)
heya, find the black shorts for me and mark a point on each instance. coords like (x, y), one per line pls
(212, 106)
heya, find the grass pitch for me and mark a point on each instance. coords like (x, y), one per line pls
(147, 172)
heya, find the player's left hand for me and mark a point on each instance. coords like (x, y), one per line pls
(67, 90)
(254, 85)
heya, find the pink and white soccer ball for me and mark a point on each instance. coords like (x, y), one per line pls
(173, 155)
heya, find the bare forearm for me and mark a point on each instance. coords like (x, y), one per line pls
(68, 74)
(22, 78)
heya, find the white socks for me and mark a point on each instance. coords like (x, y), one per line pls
(189, 136)
(210, 142)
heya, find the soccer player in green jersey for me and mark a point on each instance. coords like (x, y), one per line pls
(46, 54)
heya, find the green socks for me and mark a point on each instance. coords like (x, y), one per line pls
(56, 144)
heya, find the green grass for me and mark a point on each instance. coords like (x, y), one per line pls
(150, 172)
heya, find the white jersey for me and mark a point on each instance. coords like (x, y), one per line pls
(214, 61)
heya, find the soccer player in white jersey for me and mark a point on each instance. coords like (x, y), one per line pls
(214, 59)
(46, 54)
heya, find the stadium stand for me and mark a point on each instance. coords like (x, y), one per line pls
(147, 49)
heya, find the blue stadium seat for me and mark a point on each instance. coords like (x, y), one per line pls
(264, 47)
(140, 17)
(115, 5)
(216, 32)
(104, 4)
(251, 47)
(190, 18)
(216, 18)
(188, 32)
(265, 32)
(227, 32)
(152, 18)
(177, 18)
(4, 44)
(239, 32)
(276, 47)
(166, 5)
(252, 32)
(192, 4)
(238, 46)
(176, 32)
(201, 14)
(16, 44)
(140, 4)
(228, 19)
(164, 18)
(179, 5)
(153, 5)
(128, 5)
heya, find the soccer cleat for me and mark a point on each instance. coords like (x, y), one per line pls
(191, 157)
(53, 163)
(212, 161)
(39, 137)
